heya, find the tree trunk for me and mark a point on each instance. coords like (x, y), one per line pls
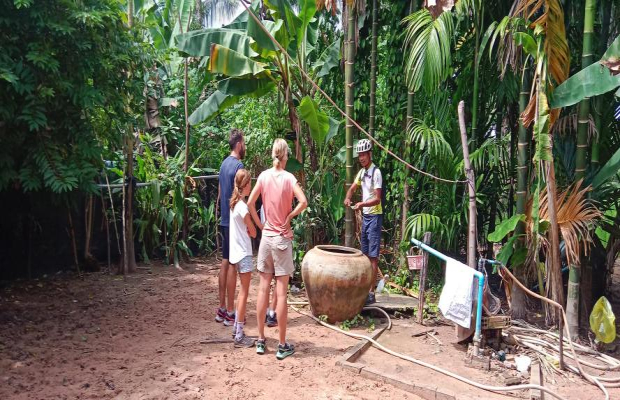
(555, 267)
(88, 221)
(129, 258)
(73, 241)
(350, 130)
(518, 304)
(186, 162)
(373, 69)
(574, 271)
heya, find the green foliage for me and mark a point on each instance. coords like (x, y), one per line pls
(358, 321)
(505, 227)
(61, 67)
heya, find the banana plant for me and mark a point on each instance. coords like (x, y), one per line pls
(250, 64)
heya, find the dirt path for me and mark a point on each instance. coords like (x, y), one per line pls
(101, 336)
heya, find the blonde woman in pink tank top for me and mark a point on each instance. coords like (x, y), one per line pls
(277, 189)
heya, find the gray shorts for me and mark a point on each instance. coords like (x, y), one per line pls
(245, 265)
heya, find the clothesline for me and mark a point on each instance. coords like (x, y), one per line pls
(143, 184)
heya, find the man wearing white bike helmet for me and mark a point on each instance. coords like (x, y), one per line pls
(371, 181)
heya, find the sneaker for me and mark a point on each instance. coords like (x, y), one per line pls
(260, 346)
(271, 321)
(370, 300)
(220, 315)
(285, 351)
(229, 319)
(244, 342)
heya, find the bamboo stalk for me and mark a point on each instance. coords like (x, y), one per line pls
(350, 130)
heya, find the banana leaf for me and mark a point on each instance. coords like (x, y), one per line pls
(307, 9)
(611, 168)
(330, 58)
(245, 87)
(184, 13)
(505, 227)
(264, 45)
(198, 43)
(317, 121)
(231, 63)
(211, 107)
(283, 10)
(591, 81)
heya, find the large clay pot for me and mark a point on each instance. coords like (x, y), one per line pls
(337, 280)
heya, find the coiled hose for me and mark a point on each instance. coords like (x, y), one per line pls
(422, 363)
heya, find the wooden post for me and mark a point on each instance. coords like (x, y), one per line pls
(461, 332)
(427, 240)
(471, 238)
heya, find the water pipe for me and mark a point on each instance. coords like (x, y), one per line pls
(478, 275)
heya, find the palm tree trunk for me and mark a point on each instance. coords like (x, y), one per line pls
(413, 6)
(348, 99)
(603, 37)
(373, 69)
(574, 272)
(130, 14)
(518, 306)
(405, 205)
(474, 103)
(496, 181)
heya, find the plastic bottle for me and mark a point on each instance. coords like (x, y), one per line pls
(381, 284)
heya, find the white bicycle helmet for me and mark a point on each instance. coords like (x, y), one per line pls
(363, 145)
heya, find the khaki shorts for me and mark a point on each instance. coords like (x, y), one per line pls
(275, 255)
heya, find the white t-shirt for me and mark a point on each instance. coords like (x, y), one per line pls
(240, 244)
(370, 179)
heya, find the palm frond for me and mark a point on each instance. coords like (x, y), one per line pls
(576, 217)
(426, 139)
(551, 20)
(428, 43)
(418, 224)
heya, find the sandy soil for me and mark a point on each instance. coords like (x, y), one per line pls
(103, 336)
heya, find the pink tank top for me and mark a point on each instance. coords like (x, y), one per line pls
(277, 195)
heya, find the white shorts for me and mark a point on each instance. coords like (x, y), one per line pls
(245, 265)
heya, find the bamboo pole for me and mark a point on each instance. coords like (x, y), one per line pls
(350, 129)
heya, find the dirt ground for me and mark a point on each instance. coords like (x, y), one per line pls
(442, 351)
(102, 336)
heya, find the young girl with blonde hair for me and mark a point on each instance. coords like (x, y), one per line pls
(241, 228)
(277, 188)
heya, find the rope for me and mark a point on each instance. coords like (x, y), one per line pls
(347, 117)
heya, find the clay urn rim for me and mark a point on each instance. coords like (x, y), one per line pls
(340, 251)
